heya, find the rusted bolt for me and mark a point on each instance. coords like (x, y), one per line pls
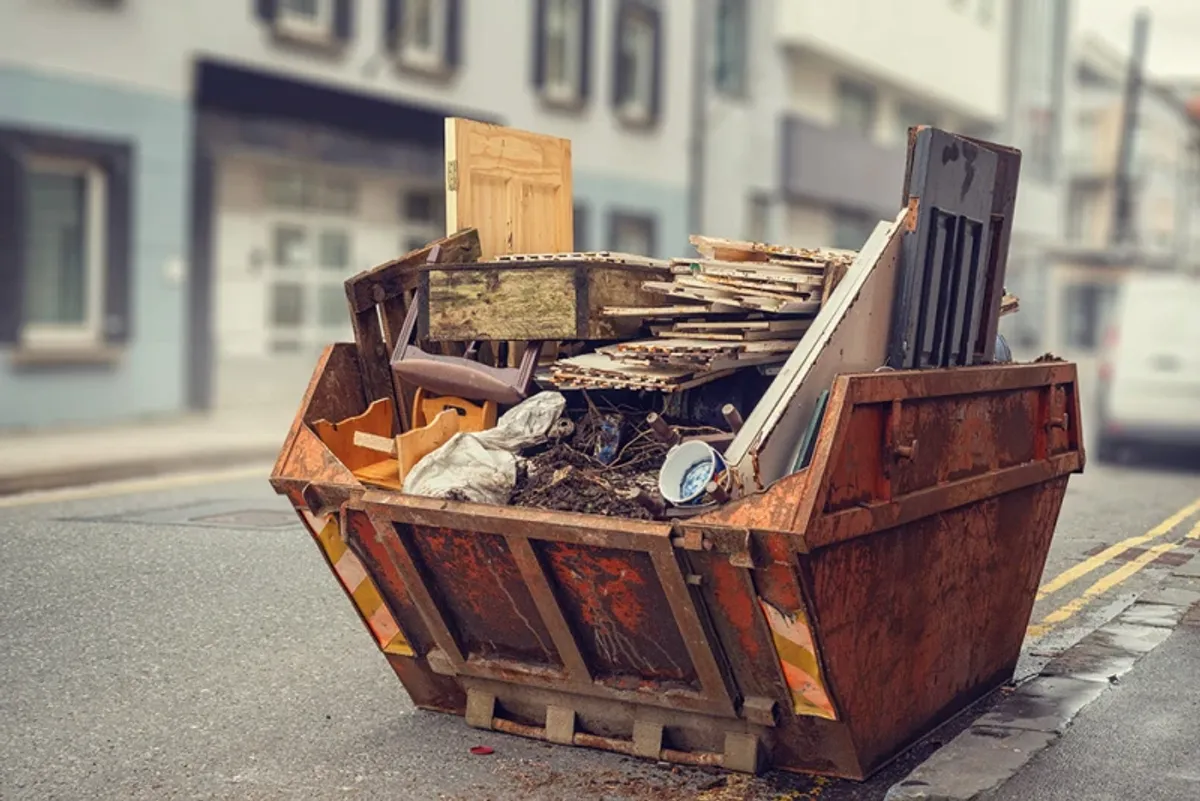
(1057, 422)
(905, 451)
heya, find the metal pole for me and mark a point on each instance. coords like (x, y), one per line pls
(697, 144)
(1123, 231)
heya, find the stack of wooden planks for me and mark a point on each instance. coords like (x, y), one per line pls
(739, 304)
(730, 276)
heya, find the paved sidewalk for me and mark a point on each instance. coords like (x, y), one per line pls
(1139, 740)
(68, 457)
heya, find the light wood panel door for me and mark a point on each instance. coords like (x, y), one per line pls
(513, 186)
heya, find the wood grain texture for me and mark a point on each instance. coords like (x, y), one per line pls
(339, 436)
(500, 304)
(513, 186)
(413, 446)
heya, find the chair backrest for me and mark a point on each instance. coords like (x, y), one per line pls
(455, 375)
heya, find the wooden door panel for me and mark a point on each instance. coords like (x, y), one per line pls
(513, 186)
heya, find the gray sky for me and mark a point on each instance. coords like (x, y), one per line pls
(1174, 31)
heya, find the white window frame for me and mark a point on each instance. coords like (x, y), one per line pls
(39, 336)
(569, 17)
(638, 107)
(301, 26)
(431, 57)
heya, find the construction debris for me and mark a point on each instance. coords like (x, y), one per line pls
(573, 476)
(754, 303)
(471, 327)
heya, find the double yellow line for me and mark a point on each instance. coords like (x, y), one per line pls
(1116, 577)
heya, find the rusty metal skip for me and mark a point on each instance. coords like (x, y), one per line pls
(822, 625)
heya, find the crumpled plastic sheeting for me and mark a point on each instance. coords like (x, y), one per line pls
(482, 466)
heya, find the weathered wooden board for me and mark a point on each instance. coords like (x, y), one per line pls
(551, 300)
(734, 250)
(652, 312)
(807, 274)
(732, 335)
(501, 304)
(745, 325)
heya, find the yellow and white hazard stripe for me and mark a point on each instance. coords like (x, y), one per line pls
(798, 658)
(353, 576)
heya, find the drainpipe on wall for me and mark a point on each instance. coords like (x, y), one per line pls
(698, 140)
(1123, 232)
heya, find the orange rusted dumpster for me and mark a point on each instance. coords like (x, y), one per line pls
(821, 626)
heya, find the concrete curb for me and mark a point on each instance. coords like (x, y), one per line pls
(1039, 712)
(77, 475)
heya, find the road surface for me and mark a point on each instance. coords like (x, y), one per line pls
(182, 638)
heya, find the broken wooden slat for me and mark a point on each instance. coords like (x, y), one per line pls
(374, 442)
(652, 312)
(383, 293)
(339, 436)
(591, 257)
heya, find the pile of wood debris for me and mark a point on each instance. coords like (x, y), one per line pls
(750, 303)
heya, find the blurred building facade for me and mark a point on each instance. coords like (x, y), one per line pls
(188, 184)
(1084, 274)
(811, 102)
(1037, 122)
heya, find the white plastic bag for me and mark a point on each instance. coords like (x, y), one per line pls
(482, 466)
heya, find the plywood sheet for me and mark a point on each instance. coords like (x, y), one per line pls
(849, 335)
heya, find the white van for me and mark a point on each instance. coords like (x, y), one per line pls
(1150, 366)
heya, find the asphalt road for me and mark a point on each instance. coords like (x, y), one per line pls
(183, 639)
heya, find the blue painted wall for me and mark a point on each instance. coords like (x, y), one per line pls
(149, 378)
(601, 195)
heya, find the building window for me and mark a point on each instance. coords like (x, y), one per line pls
(562, 50)
(64, 276)
(320, 22)
(300, 190)
(632, 233)
(732, 32)
(306, 18)
(422, 207)
(856, 108)
(65, 233)
(636, 84)
(758, 217)
(424, 34)
(1087, 310)
(333, 251)
(580, 228)
(910, 115)
(851, 230)
(1040, 151)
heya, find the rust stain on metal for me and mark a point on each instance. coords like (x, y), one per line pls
(477, 581)
(620, 612)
